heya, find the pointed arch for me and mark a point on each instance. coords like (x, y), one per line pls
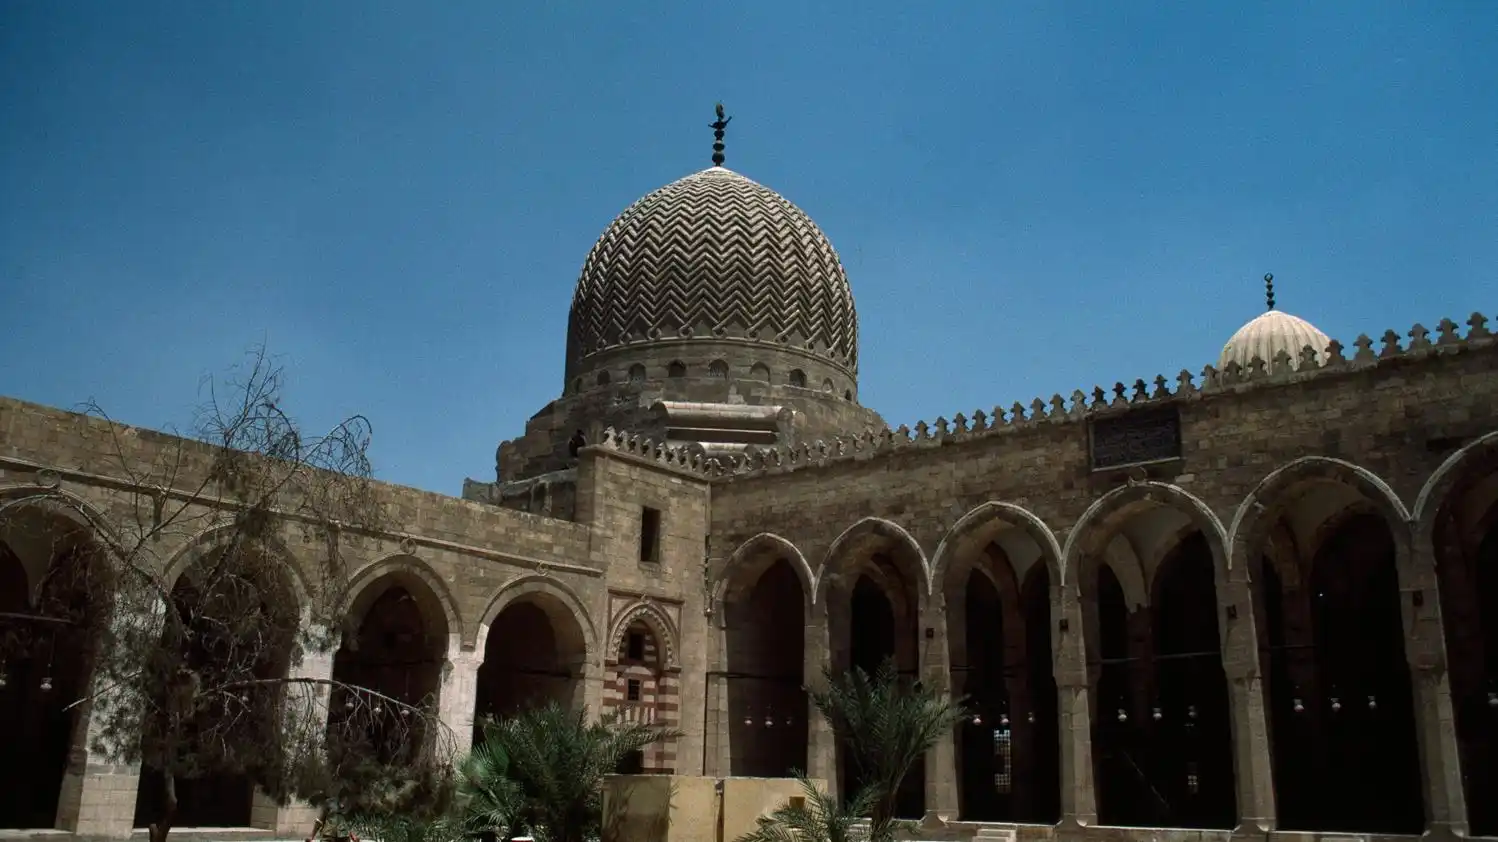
(413, 573)
(660, 625)
(770, 546)
(78, 513)
(984, 517)
(214, 538)
(1282, 485)
(550, 590)
(1437, 489)
(871, 530)
(1108, 511)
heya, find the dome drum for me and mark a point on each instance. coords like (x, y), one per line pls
(714, 371)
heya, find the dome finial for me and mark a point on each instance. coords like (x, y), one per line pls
(718, 126)
(1269, 289)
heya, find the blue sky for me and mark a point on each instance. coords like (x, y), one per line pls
(1030, 197)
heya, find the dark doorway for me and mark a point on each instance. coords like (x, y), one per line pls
(1039, 725)
(767, 708)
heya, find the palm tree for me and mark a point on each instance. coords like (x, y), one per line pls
(887, 724)
(817, 818)
(544, 769)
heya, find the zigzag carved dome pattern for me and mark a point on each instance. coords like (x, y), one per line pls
(714, 255)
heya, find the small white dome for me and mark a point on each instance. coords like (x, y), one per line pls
(1270, 333)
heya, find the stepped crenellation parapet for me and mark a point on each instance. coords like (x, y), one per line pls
(1082, 405)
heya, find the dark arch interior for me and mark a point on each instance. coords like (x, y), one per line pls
(527, 663)
(1467, 565)
(986, 755)
(767, 709)
(44, 666)
(395, 651)
(218, 607)
(874, 639)
(1125, 795)
(1342, 711)
(1191, 744)
(1040, 732)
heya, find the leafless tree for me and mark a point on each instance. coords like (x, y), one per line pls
(191, 656)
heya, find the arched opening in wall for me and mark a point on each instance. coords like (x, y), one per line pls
(827, 386)
(395, 646)
(998, 638)
(1191, 732)
(640, 689)
(718, 370)
(766, 652)
(873, 601)
(1374, 765)
(603, 378)
(1124, 794)
(677, 368)
(1466, 547)
(533, 654)
(637, 373)
(1162, 729)
(848, 395)
(797, 378)
(1040, 726)
(1342, 723)
(759, 371)
(985, 744)
(233, 618)
(54, 595)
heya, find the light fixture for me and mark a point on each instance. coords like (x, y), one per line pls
(769, 721)
(1191, 711)
(1157, 715)
(1372, 703)
(1030, 717)
(1336, 704)
(348, 704)
(1492, 697)
(748, 722)
(1299, 706)
(977, 719)
(1004, 720)
(46, 683)
(1122, 717)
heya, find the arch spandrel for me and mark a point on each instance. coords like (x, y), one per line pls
(867, 536)
(553, 596)
(79, 514)
(994, 515)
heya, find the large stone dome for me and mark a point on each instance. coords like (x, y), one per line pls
(711, 257)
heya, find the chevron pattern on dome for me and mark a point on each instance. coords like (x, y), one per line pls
(714, 255)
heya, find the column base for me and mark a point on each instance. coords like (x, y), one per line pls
(99, 800)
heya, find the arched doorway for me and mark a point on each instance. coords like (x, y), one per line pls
(534, 654)
(233, 617)
(872, 585)
(1342, 722)
(1191, 732)
(1162, 731)
(999, 651)
(766, 653)
(54, 594)
(1466, 547)
(395, 645)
